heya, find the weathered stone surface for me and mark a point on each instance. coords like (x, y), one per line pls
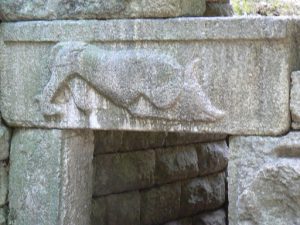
(203, 193)
(218, 9)
(3, 184)
(3, 216)
(123, 141)
(211, 218)
(212, 157)
(264, 180)
(174, 164)
(179, 82)
(160, 205)
(117, 209)
(11, 10)
(181, 222)
(295, 100)
(50, 177)
(4, 142)
(115, 173)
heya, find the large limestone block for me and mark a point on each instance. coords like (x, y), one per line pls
(125, 141)
(10, 10)
(117, 209)
(161, 204)
(115, 173)
(264, 180)
(202, 194)
(188, 74)
(173, 164)
(212, 157)
(50, 181)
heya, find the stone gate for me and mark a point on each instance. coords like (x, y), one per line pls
(127, 112)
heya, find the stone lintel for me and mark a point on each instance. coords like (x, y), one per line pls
(195, 75)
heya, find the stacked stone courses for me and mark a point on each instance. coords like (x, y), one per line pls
(127, 112)
(148, 187)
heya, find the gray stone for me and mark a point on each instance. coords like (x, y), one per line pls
(192, 53)
(201, 194)
(3, 184)
(4, 142)
(124, 141)
(187, 221)
(295, 100)
(115, 173)
(117, 209)
(218, 9)
(50, 180)
(212, 157)
(11, 10)
(160, 205)
(174, 164)
(211, 218)
(3, 216)
(264, 180)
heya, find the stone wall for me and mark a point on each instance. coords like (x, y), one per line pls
(118, 112)
(4, 169)
(139, 180)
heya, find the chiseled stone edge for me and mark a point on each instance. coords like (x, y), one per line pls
(148, 29)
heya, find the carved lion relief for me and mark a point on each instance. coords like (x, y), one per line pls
(127, 78)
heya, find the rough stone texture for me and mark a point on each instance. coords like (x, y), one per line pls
(175, 164)
(4, 142)
(264, 180)
(11, 10)
(3, 216)
(123, 141)
(204, 193)
(50, 177)
(160, 205)
(115, 173)
(117, 209)
(3, 184)
(218, 9)
(211, 218)
(212, 157)
(295, 100)
(253, 97)
(208, 218)
(181, 222)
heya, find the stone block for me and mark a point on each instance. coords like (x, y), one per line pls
(295, 100)
(211, 218)
(218, 9)
(161, 204)
(5, 134)
(3, 184)
(50, 180)
(3, 215)
(212, 157)
(264, 180)
(117, 209)
(174, 164)
(202, 194)
(115, 173)
(187, 221)
(11, 10)
(51, 72)
(124, 141)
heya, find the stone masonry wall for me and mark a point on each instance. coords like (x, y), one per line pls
(139, 180)
(4, 171)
